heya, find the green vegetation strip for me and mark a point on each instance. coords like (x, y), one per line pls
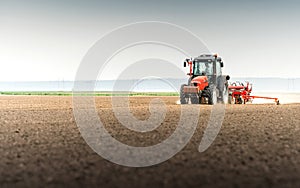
(62, 93)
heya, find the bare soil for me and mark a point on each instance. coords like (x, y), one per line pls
(41, 146)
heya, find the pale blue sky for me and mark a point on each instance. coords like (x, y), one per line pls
(46, 40)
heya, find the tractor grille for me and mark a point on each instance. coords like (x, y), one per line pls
(190, 89)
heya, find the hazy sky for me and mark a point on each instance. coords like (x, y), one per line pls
(46, 40)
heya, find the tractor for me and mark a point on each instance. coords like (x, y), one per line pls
(206, 83)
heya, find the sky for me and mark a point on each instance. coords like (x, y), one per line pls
(46, 40)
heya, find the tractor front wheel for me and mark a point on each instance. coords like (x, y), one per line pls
(194, 99)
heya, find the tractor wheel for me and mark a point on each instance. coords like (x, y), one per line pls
(212, 96)
(194, 99)
(183, 98)
(225, 96)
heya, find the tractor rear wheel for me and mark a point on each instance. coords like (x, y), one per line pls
(212, 96)
(225, 96)
(183, 98)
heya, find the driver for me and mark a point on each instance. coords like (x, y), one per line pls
(207, 68)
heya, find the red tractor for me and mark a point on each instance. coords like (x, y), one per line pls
(206, 83)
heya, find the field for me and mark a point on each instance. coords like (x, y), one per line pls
(40, 146)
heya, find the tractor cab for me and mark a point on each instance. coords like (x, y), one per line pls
(207, 66)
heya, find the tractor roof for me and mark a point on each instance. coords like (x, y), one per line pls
(207, 57)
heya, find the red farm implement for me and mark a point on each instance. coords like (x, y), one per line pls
(241, 94)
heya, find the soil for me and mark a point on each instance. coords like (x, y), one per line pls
(41, 146)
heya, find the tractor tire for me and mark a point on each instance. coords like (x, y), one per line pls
(194, 99)
(213, 98)
(183, 98)
(225, 96)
